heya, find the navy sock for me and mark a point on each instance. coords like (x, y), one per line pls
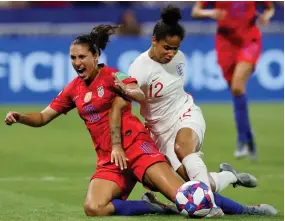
(131, 207)
(229, 206)
(242, 119)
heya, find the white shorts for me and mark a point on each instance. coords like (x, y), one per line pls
(190, 117)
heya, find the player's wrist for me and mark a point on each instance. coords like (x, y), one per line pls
(117, 145)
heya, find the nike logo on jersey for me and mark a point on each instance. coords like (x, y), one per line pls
(74, 98)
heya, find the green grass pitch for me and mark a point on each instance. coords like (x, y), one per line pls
(45, 172)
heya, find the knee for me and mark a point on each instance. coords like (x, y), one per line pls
(237, 89)
(182, 151)
(94, 209)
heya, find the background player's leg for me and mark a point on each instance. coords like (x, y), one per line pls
(240, 77)
(162, 177)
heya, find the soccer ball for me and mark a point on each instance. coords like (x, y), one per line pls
(194, 199)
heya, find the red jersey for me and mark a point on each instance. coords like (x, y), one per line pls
(239, 21)
(93, 104)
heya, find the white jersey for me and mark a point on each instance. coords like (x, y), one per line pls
(163, 86)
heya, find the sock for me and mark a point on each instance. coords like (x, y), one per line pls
(131, 207)
(228, 206)
(223, 179)
(241, 118)
(196, 168)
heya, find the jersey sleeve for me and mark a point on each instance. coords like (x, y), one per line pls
(137, 72)
(126, 79)
(63, 101)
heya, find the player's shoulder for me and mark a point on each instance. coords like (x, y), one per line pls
(179, 56)
(108, 70)
(141, 60)
(142, 63)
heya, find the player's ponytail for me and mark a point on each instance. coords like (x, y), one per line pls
(97, 39)
(170, 15)
(100, 36)
(168, 25)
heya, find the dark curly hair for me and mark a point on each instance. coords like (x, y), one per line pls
(168, 25)
(97, 39)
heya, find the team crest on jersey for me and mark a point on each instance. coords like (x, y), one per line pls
(100, 91)
(88, 97)
(179, 69)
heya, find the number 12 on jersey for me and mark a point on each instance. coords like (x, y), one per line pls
(155, 90)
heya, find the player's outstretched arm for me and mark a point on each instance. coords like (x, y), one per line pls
(199, 12)
(37, 119)
(118, 155)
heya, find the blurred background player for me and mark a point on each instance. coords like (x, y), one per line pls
(238, 47)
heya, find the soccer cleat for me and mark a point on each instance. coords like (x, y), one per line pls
(214, 212)
(262, 209)
(158, 207)
(243, 179)
(242, 151)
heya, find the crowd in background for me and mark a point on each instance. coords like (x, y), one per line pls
(128, 18)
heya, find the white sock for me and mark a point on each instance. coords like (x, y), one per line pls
(223, 179)
(196, 168)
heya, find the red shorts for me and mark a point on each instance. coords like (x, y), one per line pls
(230, 54)
(141, 154)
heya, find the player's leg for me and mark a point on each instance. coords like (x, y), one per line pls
(107, 196)
(151, 167)
(246, 60)
(227, 61)
(99, 195)
(190, 132)
(109, 189)
(191, 129)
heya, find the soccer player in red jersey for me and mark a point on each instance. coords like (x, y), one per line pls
(92, 92)
(238, 47)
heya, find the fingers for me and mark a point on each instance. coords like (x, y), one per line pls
(115, 76)
(120, 160)
(10, 118)
(125, 162)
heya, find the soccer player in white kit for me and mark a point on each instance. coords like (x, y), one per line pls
(177, 125)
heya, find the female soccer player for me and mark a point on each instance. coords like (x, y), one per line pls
(238, 47)
(92, 93)
(175, 122)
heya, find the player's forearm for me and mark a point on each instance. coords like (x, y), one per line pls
(32, 119)
(135, 94)
(115, 125)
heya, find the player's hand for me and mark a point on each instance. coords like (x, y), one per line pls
(12, 117)
(119, 84)
(118, 157)
(262, 20)
(218, 14)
